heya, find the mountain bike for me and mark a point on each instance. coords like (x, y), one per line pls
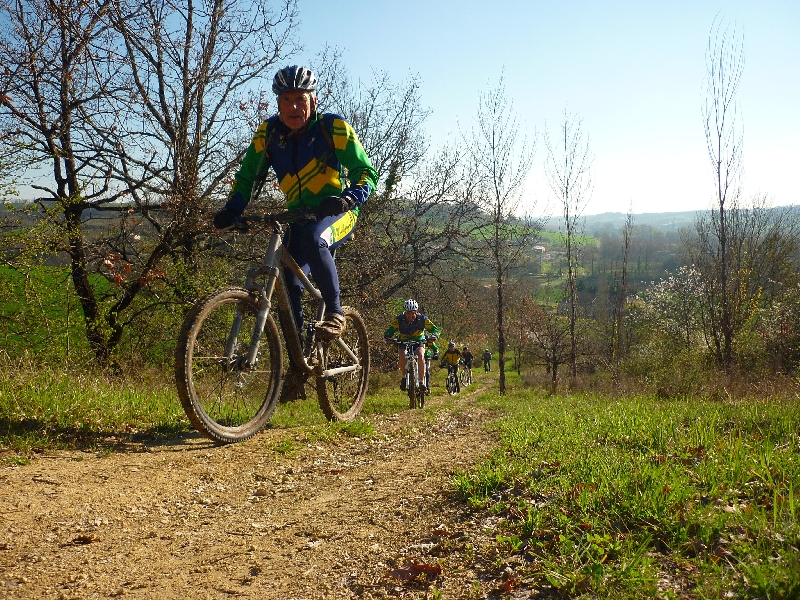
(416, 394)
(229, 359)
(451, 383)
(466, 376)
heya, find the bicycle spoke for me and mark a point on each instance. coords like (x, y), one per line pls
(341, 395)
(222, 398)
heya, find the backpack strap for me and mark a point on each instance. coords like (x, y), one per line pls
(326, 130)
(263, 166)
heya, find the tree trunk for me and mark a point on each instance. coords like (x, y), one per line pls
(501, 337)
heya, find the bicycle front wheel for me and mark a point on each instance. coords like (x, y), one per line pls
(224, 398)
(413, 375)
(452, 384)
(341, 395)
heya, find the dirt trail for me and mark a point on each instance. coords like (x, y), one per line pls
(191, 519)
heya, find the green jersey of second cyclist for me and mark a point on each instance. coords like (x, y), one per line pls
(412, 331)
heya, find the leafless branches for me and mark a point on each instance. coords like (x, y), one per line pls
(501, 160)
(132, 109)
(568, 173)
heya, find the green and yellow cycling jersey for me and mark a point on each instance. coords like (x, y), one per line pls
(431, 349)
(326, 159)
(411, 331)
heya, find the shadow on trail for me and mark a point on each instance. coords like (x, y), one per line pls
(26, 436)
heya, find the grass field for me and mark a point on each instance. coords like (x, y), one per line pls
(40, 312)
(591, 496)
(645, 498)
(43, 409)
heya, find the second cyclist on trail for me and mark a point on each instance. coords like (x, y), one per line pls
(412, 326)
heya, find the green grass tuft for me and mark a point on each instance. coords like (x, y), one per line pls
(605, 496)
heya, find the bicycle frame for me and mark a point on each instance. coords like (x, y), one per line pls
(411, 354)
(276, 257)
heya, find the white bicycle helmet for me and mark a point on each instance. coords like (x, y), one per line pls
(294, 78)
(410, 304)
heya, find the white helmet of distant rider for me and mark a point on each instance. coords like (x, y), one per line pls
(410, 305)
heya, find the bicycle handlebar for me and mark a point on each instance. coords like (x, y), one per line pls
(430, 338)
(405, 344)
(288, 216)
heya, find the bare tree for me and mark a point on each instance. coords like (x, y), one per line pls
(501, 161)
(523, 311)
(622, 293)
(724, 139)
(568, 173)
(139, 141)
(191, 69)
(414, 222)
(550, 341)
(59, 63)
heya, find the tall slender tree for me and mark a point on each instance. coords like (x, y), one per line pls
(724, 140)
(568, 173)
(622, 292)
(501, 159)
(743, 248)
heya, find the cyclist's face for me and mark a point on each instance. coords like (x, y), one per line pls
(295, 109)
(411, 314)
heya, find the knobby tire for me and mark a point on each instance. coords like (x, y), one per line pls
(341, 397)
(225, 400)
(412, 369)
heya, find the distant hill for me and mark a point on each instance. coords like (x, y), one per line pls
(613, 221)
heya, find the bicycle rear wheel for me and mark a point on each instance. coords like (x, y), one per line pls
(341, 396)
(225, 399)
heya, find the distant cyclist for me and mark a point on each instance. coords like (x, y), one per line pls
(487, 360)
(467, 356)
(451, 358)
(431, 353)
(412, 326)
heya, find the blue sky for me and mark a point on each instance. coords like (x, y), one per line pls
(633, 71)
